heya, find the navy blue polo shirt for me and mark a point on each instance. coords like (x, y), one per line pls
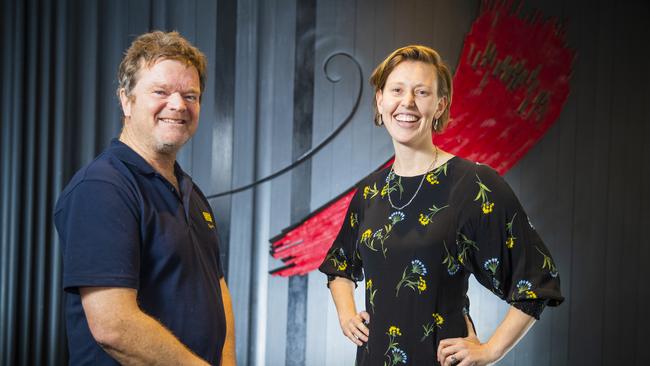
(122, 224)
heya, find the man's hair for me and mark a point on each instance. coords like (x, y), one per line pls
(415, 53)
(151, 47)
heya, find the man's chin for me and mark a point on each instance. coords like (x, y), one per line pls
(169, 148)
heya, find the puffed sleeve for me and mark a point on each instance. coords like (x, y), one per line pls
(343, 258)
(498, 244)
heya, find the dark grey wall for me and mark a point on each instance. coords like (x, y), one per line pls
(584, 184)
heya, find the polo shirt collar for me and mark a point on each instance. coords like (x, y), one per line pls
(125, 153)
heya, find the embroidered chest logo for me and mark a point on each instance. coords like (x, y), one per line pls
(208, 219)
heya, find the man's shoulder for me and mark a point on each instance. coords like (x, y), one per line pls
(104, 170)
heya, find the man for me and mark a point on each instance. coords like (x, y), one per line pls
(140, 249)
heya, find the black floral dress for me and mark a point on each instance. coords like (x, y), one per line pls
(464, 220)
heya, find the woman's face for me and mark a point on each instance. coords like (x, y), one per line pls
(409, 102)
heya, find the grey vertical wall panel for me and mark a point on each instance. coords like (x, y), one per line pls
(55, 336)
(643, 292)
(7, 37)
(540, 165)
(199, 157)
(242, 279)
(622, 202)
(276, 106)
(586, 342)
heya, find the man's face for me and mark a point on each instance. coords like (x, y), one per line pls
(162, 113)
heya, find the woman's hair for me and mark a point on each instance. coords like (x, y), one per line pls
(415, 53)
(148, 48)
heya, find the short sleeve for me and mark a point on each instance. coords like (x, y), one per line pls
(499, 245)
(343, 258)
(98, 225)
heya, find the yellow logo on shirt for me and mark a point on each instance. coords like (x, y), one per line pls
(208, 218)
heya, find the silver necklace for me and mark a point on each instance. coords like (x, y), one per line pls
(390, 200)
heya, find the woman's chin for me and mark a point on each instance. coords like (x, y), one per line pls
(412, 139)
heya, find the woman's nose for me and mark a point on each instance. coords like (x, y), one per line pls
(408, 99)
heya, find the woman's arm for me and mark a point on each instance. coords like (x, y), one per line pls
(470, 351)
(352, 323)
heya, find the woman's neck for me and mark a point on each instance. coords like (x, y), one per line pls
(412, 161)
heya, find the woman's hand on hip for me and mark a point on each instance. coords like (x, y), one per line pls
(468, 351)
(354, 327)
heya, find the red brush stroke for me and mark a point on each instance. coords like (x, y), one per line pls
(501, 108)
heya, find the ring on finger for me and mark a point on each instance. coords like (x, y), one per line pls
(453, 360)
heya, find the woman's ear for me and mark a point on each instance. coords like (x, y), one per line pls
(442, 105)
(379, 97)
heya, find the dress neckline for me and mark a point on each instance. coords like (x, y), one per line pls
(427, 172)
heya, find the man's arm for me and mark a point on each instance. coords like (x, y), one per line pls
(228, 356)
(129, 335)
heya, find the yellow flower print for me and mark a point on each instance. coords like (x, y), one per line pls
(338, 259)
(438, 319)
(433, 210)
(354, 220)
(394, 331)
(422, 285)
(392, 185)
(483, 196)
(370, 191)
(548, 263)
(531, 295)
(343, 265)
(366, 234)
(424, 220)
(464, 244)
(393, 353)
(412, 277)
(510, 241)
(432, 178)
(487, 207)
(371, 294)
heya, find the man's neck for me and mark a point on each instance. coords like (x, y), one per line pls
(162, 163)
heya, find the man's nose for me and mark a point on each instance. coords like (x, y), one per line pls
(176, 102)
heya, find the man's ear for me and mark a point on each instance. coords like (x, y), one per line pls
(126, 103)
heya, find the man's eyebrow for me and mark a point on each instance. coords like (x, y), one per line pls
(167, 86)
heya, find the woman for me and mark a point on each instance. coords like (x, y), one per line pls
(418, 230)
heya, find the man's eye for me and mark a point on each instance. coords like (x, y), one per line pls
(159, 92)
(191, 98)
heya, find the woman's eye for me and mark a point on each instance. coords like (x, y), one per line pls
(422, 93)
